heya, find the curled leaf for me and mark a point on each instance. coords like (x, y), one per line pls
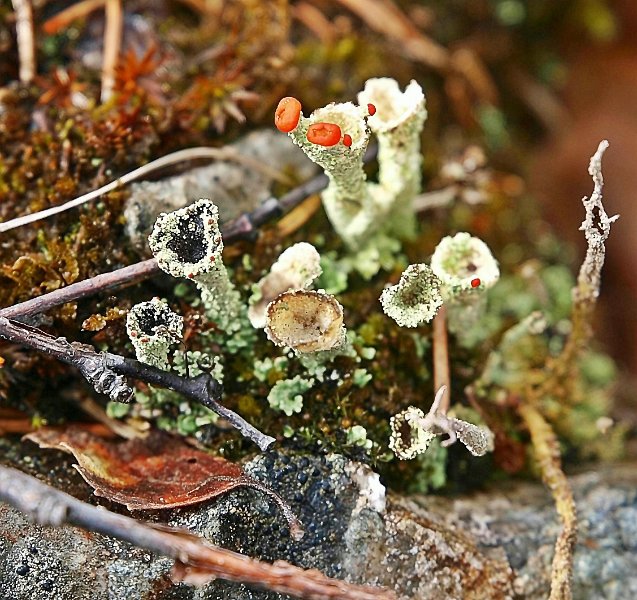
(160, 471)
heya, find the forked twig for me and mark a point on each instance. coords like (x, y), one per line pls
(106, 371)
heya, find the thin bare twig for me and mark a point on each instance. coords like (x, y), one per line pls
(105, 372)
(197, 153)
(65, 17)
(25, 39)
(113, 31)
(596, 227)
(442, 378)
(82, 289)
(48, 506)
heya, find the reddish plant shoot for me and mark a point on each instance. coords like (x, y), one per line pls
(371, 109)
(475, 282)
(324, 134)
(287, 114)
(347, 140)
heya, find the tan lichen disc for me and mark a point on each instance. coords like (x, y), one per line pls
(295, 269)
(306, 321)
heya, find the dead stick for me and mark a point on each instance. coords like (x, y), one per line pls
(547, 453)
(105, 370)
(48, 506)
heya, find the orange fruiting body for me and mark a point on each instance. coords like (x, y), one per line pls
(287, 114)
(324, 134)
(475, 282)
(347, 140)
(371, 109)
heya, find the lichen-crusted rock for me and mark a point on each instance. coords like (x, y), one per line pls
(492, 545)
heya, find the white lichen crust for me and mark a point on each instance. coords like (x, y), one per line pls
(397, 123)
(187, 243)
(152, 328)
(306, 321)
(461, 259)
(415, 299)
(295, 269)
(478, 440)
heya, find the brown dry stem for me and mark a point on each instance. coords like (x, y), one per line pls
(547, 454)
(113, 31)
(25, 38)
(441, 358)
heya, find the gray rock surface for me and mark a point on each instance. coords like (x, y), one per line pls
(235, 188)
(496, 544)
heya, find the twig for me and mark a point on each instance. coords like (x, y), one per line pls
(201, 152)
(65, 17)
(596, 227)
(105, 370)
(83, 289)
(547, 454)
(25, 39)
(113, 30)
(442, 377)
(48, 506)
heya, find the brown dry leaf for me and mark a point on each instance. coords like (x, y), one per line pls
(160, 471)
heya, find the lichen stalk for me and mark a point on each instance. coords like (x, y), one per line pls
(442, 376)
(397, 123)
(187, 243)
(347, 199)
(547, 454)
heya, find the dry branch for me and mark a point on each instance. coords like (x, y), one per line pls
(106, 371)
(48, 506)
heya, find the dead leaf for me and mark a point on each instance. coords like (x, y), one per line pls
(160, 471)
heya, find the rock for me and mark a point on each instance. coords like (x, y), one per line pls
(235, 188)
(496, 544)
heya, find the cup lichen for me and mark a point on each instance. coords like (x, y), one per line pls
(152, 328)
(187, 243)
